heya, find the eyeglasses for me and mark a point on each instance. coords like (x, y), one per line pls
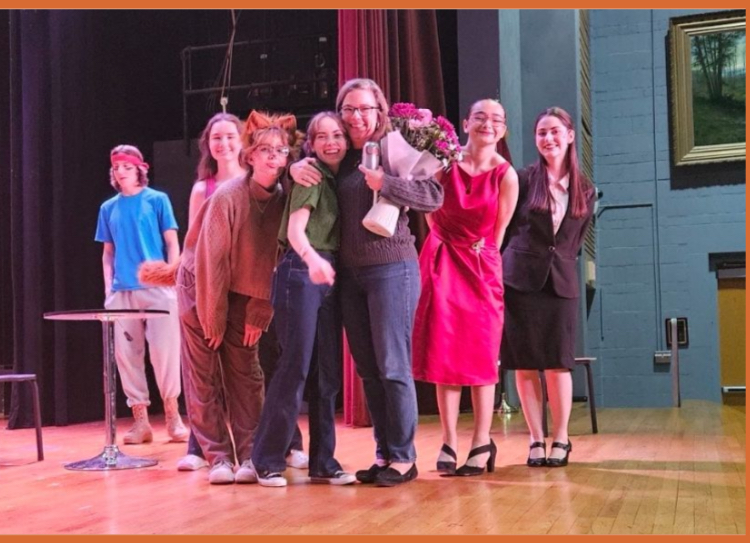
(481, 119)
(348, 111)
(267, 150)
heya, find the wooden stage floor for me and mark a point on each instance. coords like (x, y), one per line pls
(660, 471)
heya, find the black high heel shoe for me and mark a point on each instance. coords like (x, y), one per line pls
(466, 470)
(560, 462)
(446, 465)
(537, 462)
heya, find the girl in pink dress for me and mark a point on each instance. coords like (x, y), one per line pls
(459, 318)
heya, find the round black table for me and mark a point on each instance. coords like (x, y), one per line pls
(110, 458)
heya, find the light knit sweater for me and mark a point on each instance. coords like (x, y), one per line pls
(232, 247)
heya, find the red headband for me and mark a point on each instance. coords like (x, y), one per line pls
(134, 160)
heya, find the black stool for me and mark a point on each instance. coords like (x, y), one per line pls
(584, 361)
(30, 378)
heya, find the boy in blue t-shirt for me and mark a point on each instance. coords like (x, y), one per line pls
(138, 225)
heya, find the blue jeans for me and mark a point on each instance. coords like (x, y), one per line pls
(378, 304)
(194, 447)
(305, 316)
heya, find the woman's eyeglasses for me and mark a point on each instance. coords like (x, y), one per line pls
(267, 150)
(481, 119)
(348, 111)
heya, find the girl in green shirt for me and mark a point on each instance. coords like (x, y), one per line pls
(306, 314)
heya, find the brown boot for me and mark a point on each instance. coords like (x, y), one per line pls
(141, 431)
(176, 430)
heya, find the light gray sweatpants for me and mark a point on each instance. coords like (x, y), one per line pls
(163, 336)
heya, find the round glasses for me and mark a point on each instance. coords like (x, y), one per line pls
(481, 119)
(267, 150)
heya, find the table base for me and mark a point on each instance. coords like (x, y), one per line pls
(111, 459)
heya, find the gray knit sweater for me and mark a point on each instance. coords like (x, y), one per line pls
(359, 246)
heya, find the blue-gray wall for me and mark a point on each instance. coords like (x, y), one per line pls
(549, 67)
(538, 69)
(653, 240)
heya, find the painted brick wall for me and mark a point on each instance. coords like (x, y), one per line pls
(654, 240)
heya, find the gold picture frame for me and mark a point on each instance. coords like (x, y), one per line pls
(707, 87)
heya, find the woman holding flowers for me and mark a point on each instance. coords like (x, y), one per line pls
(459, 318)
(379, 281)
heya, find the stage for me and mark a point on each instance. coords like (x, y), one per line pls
(660, 471)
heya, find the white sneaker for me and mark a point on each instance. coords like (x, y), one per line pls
(297, 459)
(221, 473)
(246, 473)
(338, 478)
(271, 478)
(191, 462)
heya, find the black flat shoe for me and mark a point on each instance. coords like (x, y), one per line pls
(537, 462)
(367, 476)
(445, 465)
(468, 471)
(560, 462)
(391, 476)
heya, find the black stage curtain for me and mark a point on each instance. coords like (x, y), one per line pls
(55, 188)
(77, 83)
(6, 345)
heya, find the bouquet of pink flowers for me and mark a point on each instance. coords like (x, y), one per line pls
(423, 132)
(418, 148)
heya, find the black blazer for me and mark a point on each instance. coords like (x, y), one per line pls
(532, 253)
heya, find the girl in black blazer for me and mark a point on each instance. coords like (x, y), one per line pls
(555, 206)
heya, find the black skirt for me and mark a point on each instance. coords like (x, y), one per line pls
(539, 331)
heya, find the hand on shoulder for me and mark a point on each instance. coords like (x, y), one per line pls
(304, 172)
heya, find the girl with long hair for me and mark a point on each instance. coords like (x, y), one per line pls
(555, 207)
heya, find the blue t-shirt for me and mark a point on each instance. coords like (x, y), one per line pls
(135, 225)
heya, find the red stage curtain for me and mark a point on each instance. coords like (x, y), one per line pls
(399, 49)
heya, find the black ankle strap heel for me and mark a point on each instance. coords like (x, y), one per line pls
(537, 462)
(560, 462)
(447, 466)
(467, 470)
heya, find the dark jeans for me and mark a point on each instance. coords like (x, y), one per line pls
(378, 305)
(269, 353)
(305, 315)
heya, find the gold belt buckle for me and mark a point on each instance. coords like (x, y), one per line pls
(477, 246)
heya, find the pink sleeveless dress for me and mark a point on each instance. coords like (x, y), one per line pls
(210, 187)
(459, 319)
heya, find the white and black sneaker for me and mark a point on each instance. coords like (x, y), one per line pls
(338, 478)
(271, 479)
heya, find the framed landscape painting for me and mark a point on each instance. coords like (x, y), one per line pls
(707, 69)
